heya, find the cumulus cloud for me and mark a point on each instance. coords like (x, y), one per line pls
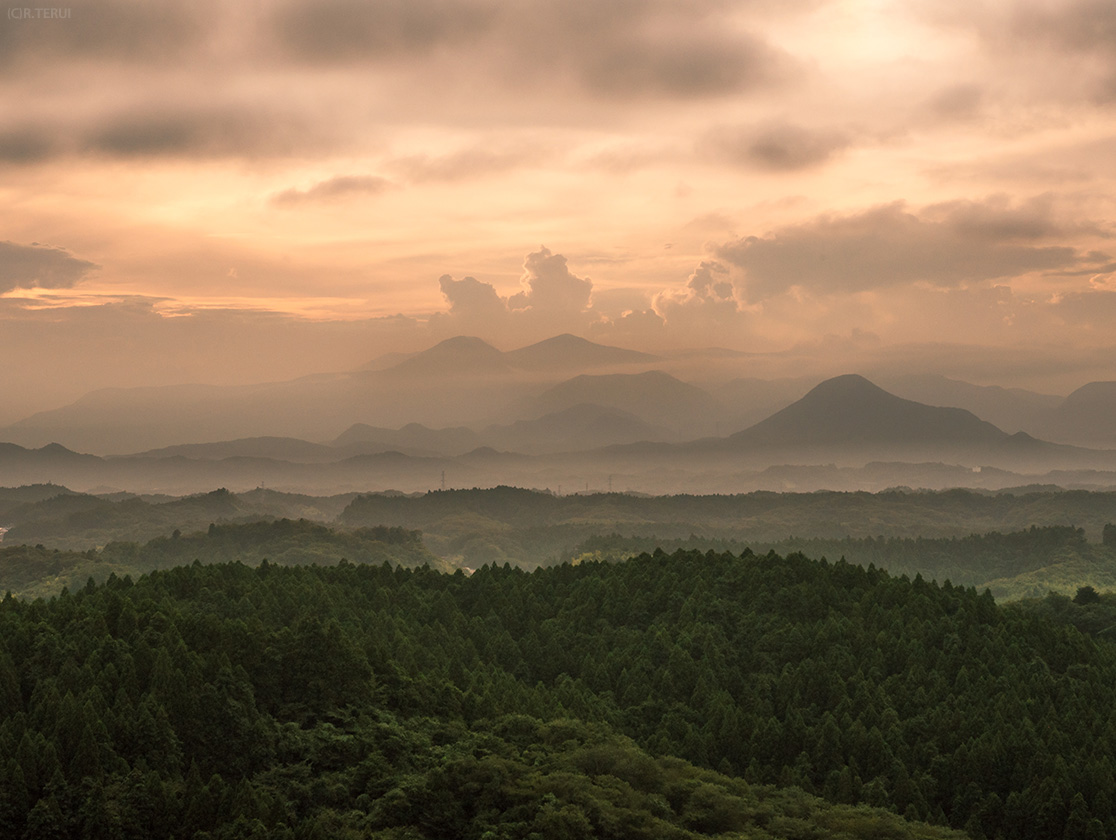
(470, 298)
(778, 146)
(333, 189)
(946, 245)
(39, 266)
(550, 286)
(552, 300)
(708, 298)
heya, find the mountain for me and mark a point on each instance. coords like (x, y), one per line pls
(654, 397)
(750, 400)
(850, 410)
(565, 352)
(460, 381)
(1086, 417)
(582, 426)
(454, 357)
(1010, 409)
(281, 448)
(414, 438)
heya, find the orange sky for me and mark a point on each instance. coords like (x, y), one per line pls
(191, 192)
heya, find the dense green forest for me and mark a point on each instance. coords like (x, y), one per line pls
(1022, 564)
(672, 695)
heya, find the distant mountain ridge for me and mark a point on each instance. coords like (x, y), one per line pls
(474, 355)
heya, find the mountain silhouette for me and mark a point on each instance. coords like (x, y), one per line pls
(453, 357)
(569, 351)
(654, 397)
(851, 411)
(1087, 416)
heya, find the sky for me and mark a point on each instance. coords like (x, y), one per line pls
(230, 193)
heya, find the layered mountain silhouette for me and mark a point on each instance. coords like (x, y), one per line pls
(845, 432)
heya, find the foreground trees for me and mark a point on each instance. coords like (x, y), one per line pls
(213, 701)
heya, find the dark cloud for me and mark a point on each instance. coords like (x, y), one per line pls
(996, 218)
(116, 30)
(700, 64)
(333, 189)
(26, 145)
(550, 286)
(645, 48)
(200, 132)
(39, 266)
(616, 49)
(947, 245)
(776, 146)
(355, 30)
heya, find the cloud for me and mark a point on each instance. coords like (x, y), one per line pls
(472, 162)
(957, 102)
(696, 65)
(1088, 25)
(947, 245)
(26, 145)
(647, 48)
(708, 301)
(613, 50)
(776, 146)
(116, 30)
(182, 130)
(333, 189)
(552, 300)
(39, 266)
(550, 286)
(470, 298)
(1061, 50)
(337, 31)
(190, 131)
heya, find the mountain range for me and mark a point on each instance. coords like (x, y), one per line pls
(845, 432)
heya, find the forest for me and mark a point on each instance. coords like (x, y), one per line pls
(1018, 544)
(669, 695)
